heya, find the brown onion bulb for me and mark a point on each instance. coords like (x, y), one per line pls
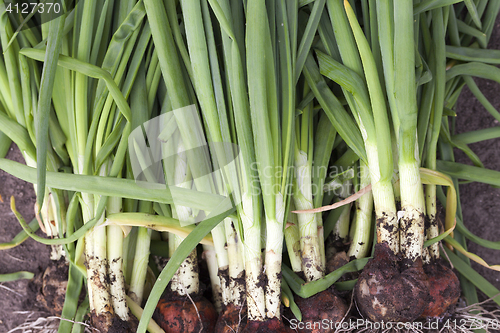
(177, 316)
(273, 325)
(444, 290)
(387, 290)
(232, 319)
(322, 306)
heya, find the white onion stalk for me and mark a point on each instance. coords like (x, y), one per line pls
(102, 300)
(186, 280)
(438, 31)
(236, 268)
(210, 256)
(341, 230)
(115, 259)
(371, 114)
(247, 190)
(308, 153)
(412, 204)
(225, 255)
(412, 197)
(96, 254)
(292, 240)
(385, 205)
(188, 123)
(87, 204)
(253, 260)
(431, 253)
(386, 279)
(360, 241)
(274, 248)
(261, 90)
(140, 266)
(309, 243)
(341, 185)
(222, 261)
(49, 222)
(206, 80)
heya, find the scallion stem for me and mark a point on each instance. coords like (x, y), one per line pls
(360, 243)
(141, 258)
(412, 197)
(115, 260)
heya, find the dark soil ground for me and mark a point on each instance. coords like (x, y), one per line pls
(480, 204)
(16, 300)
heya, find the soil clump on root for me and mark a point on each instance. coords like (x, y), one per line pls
(51, 287)
(273, 325)
(387, 290)
(444, 290)
(336, 261)
(111, 323)
(179, 314)
(232, 319)
(324, 305)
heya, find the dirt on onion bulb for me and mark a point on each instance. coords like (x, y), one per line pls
(52, 287)
(444, 290)
(273, 325)
(232, 319)
(323, 305)
(111, 323)
(181, 315)
(388, 290)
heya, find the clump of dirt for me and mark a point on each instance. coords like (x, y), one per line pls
(324, 305)
(387, 290)
(444, 290)
(51, 287)
(232, 319)
(273, 325)
(185, 315)
(111, 323)
(336, 261)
